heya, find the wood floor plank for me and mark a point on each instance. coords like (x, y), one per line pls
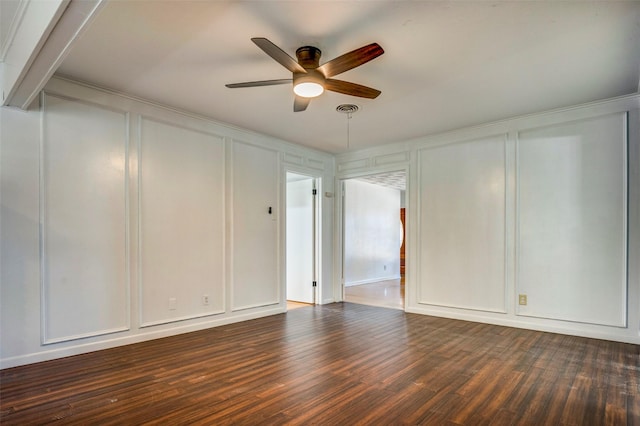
(342, 363)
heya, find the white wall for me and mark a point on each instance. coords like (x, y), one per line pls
(123, 221)
(571, 239)
(83, 217)
(372, 233)
(255, 277)
(181, 201)
(70, 196)
(462, 216)
(545, 206)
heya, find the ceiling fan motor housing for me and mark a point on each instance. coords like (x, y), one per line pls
(309, 57)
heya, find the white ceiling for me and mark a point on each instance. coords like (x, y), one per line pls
(447, 64)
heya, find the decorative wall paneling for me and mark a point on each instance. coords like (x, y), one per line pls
(461, 260)
(358, 164)
(84, 216)
(304, 161)
(595, 292)
(572, 214)
(145, 210)
(182, 217)
(374, 160)
(383, 160)
(315, 164)
(255, 216)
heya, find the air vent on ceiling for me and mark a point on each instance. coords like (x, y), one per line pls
(347, 108)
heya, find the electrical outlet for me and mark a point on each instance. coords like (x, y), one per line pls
(173, 302)
(205, 299)
(522, 299)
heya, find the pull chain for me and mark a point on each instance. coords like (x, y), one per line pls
(348, 130)
(348, 109)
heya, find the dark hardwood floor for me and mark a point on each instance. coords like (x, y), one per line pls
(337, 364)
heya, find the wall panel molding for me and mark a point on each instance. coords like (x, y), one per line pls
(256, 275)
(387, 159)
(28, 337)
(304, 160)
(461, 257)
(181, 214)
(84, 253)
(315, 164)
(351, 165)
(293, 159)
(572, 220)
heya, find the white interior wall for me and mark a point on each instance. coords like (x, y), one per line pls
(255, 220)
(119, 216)
(83, 218)
(372, 233)
(181, 222)
(545, 206)
(462, 216)
(572, 220)
(26, 291)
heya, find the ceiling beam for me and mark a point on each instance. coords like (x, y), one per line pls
(44, 35)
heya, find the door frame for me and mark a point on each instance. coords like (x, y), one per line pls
(317, 234)
(339, 240)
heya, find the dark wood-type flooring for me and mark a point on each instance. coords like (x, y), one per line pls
(337, 364)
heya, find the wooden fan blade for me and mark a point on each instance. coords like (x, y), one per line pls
(260, 83)
(300, 103)
(278, 54)
(351, 88)
(351, 60)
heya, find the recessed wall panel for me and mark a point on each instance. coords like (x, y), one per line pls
(181, 223)
(462, 225)
(572, 221)
(255, 227)
(83, 210)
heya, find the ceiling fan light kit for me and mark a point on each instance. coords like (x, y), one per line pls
(308, 85)
(310, 79)
(310, 89)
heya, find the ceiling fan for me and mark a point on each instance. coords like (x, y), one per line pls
(310, 79)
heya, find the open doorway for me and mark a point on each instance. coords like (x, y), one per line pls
(301, 240)
(373, 222)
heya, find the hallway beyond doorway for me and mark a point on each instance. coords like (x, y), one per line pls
(388, 294)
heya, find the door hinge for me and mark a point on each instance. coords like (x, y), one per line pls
(314, 284)
(314, 192)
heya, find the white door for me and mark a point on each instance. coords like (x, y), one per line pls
(300, 238)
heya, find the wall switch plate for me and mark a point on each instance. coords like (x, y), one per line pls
(173, 302)
(205, 299)
(522, 299)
